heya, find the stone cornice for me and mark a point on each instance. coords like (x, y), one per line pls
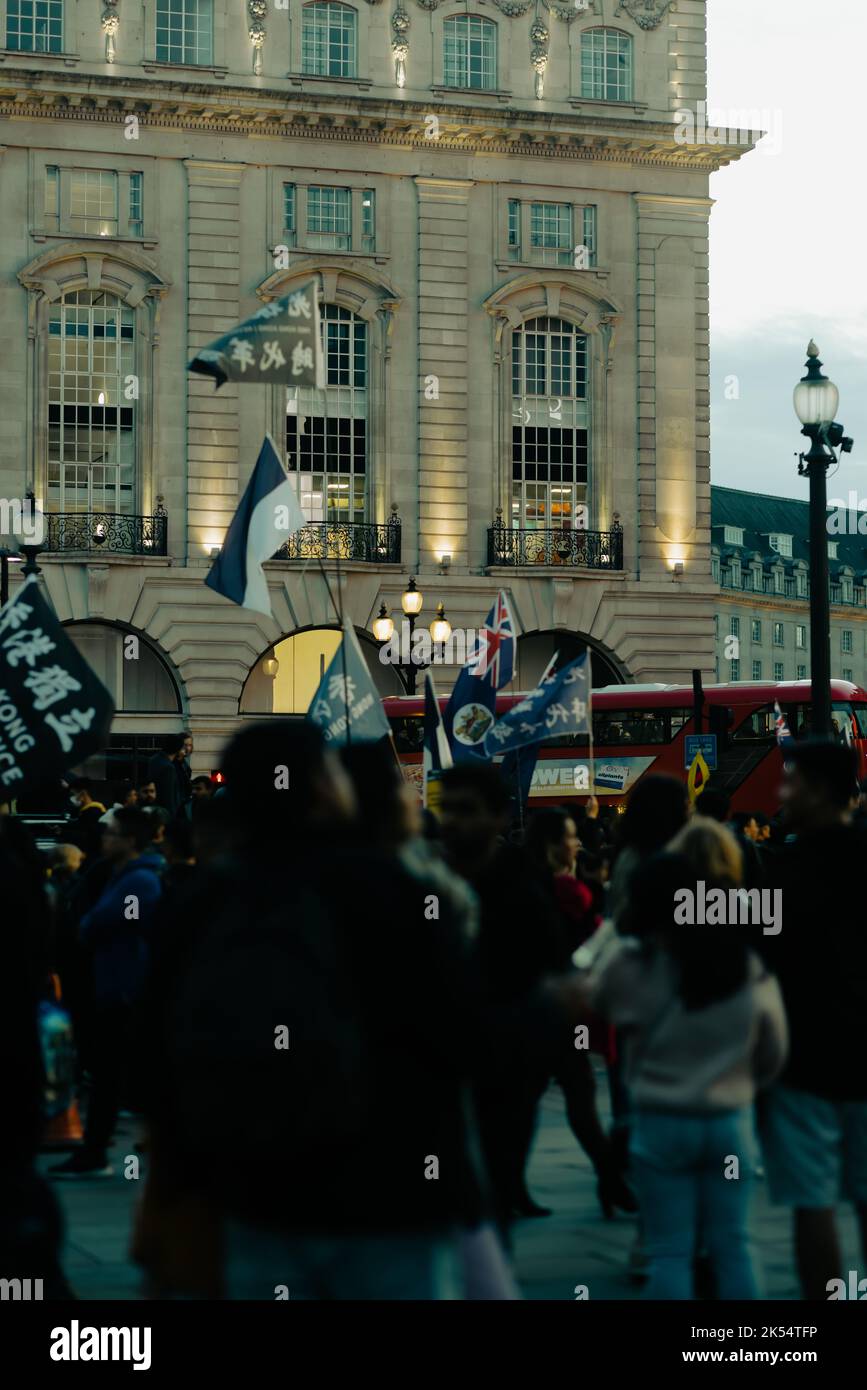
(359, 119)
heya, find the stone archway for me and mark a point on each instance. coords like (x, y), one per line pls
(535, 650)
(301, 659)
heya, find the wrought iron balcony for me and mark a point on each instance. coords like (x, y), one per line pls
(575, 549)
(106, 533)
(367, 541)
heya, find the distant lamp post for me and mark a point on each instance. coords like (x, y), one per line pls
(30, 548)
(816, 400)
(383, 625)
(440, 629)
(411, 602)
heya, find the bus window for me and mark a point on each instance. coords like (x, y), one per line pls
(844, 723)
(618, 727)
(408, 733)
(679, 717)
(758, 727)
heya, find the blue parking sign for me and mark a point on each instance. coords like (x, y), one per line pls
(700, 743)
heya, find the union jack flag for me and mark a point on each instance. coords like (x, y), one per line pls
(495, 657)
(780, 725)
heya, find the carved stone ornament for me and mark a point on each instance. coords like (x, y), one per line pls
(400, 43)
(257, 10)
(567, 12)
(514, 8)
(539, 37)
(110, 24)
(648, 14)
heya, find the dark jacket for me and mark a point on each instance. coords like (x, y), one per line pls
(820, 959)
(118, 939)
(162, 772)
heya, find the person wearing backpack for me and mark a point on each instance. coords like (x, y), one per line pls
(705, 1028)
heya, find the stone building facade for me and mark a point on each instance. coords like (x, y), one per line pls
(760, 554)
(511, 246)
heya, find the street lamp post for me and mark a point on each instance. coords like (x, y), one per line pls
(816, 401)
(383, 630)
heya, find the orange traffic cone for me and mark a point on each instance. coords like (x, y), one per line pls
(64, 1131)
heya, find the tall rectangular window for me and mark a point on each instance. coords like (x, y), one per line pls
(368, 220)
(778, 671)
(606, 65)
(470, 52)
(757, 670)
(329, 219)
(736, 627)
(589, 220)
(329, 43)
(551, 233)
(779, 635)
(847, 674)
(846, 639)
(52, 198)
(91, 423)
(736, 670)
(514, 229)
(136, 218)
(800, 636)
(185, 32)
(756, 630)
(802, 673)
(289, 214)
(34, 26)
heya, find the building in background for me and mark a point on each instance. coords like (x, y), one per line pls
(761, 558)
(511, 243)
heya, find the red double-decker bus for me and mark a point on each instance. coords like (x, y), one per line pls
(644, 728)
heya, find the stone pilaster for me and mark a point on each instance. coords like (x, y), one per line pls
(443, 304)
(213, 307)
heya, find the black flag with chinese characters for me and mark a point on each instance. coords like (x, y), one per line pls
(281, 343)
(54, 712)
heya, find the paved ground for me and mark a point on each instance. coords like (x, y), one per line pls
(554, 1254)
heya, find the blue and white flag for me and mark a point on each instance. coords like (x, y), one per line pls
(268, 514)
(471, 710)
(347, 706)
(559, 705)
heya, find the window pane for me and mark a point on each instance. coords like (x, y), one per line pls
(329, 40)
(470, 52)
(329, 218)
(34, 26)
(91, 425)
(606, 65)
(184, 31)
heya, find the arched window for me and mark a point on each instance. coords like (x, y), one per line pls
(91, 419)
(134, 673)
(329, 40)
(606, 65)
(327, 431)
(286, 677)
(550, 425)
(470, 52)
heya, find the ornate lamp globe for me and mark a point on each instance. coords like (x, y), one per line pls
(412, 600)
(816, 398)
(383, 627)
(440, 629)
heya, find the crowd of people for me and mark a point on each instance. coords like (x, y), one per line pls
(335, 1016)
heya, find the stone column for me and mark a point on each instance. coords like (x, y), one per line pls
(443, 301)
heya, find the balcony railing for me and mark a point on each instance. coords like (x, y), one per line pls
(367, 541)
(106, 533)
(575, 549)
